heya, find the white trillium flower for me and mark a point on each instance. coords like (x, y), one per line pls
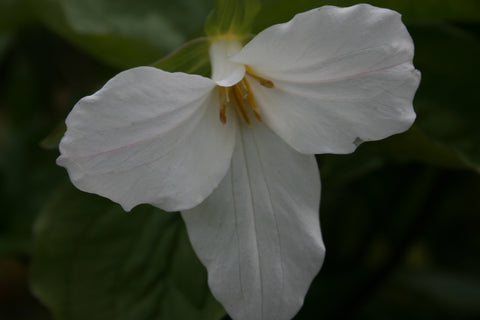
(235, 153)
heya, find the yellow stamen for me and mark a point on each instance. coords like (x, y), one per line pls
(223, 113)
(240, 105)
(264, 82)
(251, 100)
(242, 96)
(243, 89)
(227, 97)
(223, 105)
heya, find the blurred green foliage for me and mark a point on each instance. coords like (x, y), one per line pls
(400, 217)
(232, 18)
(115, 265)
(123, 33)
(192, 57)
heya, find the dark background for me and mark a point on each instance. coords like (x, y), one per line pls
(400, 217)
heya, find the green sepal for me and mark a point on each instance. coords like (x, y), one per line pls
(232, 18)
(192, 57)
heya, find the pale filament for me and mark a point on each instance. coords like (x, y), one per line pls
(241, 96)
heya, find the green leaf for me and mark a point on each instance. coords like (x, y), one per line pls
(232, 17)
(192, 57)
(415, 145)
(14, 14)
(5, 42)
(450, 290)
(447, 100)
(121, 33)
(27, 173)
(94, 261)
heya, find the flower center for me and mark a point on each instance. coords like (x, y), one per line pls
(241, 97)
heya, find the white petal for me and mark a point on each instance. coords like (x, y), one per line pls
(258, 234)
(149, 136)
(341, 76)
(225, 72)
